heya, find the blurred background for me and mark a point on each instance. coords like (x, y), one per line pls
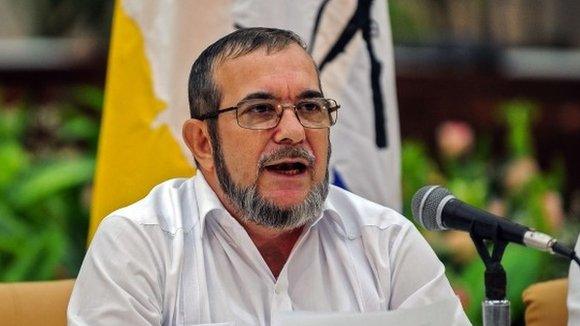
(489, 104)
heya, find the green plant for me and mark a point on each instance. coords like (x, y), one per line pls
(512, 186)
(46, 166)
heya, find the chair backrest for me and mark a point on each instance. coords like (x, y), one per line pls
(546, 303)
(34, 303)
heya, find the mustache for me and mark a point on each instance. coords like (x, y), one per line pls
(286, 152)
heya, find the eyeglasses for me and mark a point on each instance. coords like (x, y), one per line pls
(259, 114)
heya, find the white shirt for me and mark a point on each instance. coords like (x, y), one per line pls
(177, 257)
(574, 290)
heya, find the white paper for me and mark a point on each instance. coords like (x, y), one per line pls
(433, 315)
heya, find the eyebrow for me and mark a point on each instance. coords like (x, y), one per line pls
(259, 96)
(267, 96)
(310, 94)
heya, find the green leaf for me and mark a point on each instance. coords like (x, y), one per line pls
(54, 252)
(79, 128)
(12, 124)
(13, 160)
(89, 96)
(471, 191)
(25, 257)
(523, 267)
(417, 169)
(11, 244)
(518, 115)
(57, 208)
(52, 178)
(10, 223)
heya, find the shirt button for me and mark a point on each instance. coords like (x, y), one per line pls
(278, 289)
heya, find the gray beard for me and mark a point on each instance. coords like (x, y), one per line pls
(253, 207)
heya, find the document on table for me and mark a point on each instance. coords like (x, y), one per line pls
(435, 314)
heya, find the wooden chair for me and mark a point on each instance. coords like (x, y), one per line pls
(34, 303)
(546, 303)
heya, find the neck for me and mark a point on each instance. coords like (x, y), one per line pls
(264, 236)
(275, 245)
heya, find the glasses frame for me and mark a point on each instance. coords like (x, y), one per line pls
(334, 106)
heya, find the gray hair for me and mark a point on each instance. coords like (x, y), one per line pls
(204, 95)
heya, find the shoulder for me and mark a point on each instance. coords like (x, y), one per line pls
(170, 206)
(358, 214)
(147, 230)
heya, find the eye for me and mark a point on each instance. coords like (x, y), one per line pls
(310, 107)
(262, 108)
(259, 109)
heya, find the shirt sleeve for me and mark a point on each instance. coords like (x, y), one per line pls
(119, 281)
(418, 277)
(574, 290)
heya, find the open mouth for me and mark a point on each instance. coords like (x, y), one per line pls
(287, 168)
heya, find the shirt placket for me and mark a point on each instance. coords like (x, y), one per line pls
(281, 301)
(280, 298)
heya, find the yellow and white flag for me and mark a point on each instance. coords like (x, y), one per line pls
(154, 43)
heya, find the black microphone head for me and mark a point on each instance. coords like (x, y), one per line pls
(425, 204)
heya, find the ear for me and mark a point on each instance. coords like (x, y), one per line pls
(196, 137)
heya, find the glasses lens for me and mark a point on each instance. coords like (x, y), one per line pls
(258, 114)
(315, 113)
(265, 114)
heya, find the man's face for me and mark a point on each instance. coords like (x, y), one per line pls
(285, 165)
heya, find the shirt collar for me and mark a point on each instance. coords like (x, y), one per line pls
(330, 212)
(207, 200)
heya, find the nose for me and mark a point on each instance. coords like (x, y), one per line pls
(289, 130)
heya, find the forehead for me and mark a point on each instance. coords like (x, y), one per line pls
(284, 74)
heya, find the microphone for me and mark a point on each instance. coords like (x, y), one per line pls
(436, 209)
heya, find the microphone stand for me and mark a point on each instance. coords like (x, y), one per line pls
(495, 306)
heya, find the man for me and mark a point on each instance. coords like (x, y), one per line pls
(258, 230)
